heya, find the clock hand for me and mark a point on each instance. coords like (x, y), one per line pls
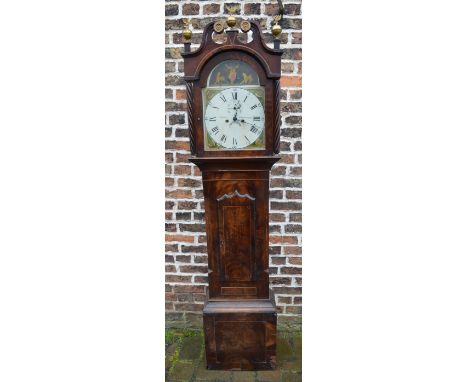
(244, 121)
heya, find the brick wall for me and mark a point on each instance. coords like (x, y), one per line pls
(185, 252)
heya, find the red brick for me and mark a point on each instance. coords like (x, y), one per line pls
(283, 239)
(183, 238)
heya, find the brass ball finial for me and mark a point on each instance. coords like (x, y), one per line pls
(231, 20)
(187, 33)
(276, 29)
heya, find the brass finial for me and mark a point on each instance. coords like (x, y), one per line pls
(187, 33)
(276, 29)
(231, 20)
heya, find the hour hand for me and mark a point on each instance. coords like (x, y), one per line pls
(244, 121)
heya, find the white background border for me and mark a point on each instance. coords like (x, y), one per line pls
(385, 191)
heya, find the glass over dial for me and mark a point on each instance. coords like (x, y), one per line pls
(235, 118)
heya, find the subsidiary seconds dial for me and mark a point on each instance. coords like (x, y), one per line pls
(234, 118)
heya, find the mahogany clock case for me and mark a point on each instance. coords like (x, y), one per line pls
(239, 316)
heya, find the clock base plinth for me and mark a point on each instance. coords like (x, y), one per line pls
(240, 334)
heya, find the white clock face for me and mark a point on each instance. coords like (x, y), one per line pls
(234, 118)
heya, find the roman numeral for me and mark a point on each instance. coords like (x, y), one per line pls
(223, 138)
(234, 141)
(254, 130)
(212, 119)
(256, 119)
(253, 107)
(223, 97)
(247, 139)
(245, 99)
(234, 95)
(215, 130)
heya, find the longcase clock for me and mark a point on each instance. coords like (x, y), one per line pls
(234, 125)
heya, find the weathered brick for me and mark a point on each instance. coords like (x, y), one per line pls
(295, 171)
(277, 217)
(280, 281)
(201, 279)
(292, 9)
(193, 269)
(190, 9)
(292, 250)
(284, 300)
(291, 81)
(293, 120)
(278, 260)
(288, 23)
(193, 248)
(296, 38)
(295, 94)
(292, 132)
(176, 24)
(184, 259)
(287, 290)
(276, 194)
(293, 194)
(291, 107)
(176, 194)
(275, 250)
(176, 106)
(178, 279)
(182, 132)
(177, 145)
(186, 182)
(172, 9)
(286, 206)
(170, 67)
(189, 288)
(192, 227)
(285, 182)
(177, 119)
(252, 9)
(174, 80)
(295, 217)
(170, 268)
(287, 67)
(292, 54)
(184, 205)
(210, 9)
(182, 170)
(295, 260)
(291, 270)
(283, 239)
(183, 215)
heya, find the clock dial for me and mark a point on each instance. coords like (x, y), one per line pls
(235, 118)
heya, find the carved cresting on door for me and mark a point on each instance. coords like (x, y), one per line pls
(233, 106)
